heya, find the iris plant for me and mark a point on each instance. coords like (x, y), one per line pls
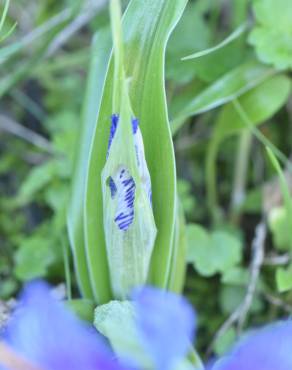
(44, 335)
(129, 225)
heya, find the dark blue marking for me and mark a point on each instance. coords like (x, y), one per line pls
(125, 218)
(135, 125)
(124, 225)
(112, 187)
(127, 181)
(113, 129)
(121, 216)
(130, 188)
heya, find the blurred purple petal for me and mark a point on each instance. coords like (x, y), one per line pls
(45, 333)
(269, 348)
(166, 323)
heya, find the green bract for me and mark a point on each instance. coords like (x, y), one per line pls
(146, 28)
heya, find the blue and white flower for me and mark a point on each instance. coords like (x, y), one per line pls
(129, 224)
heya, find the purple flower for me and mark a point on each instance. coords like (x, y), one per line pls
(166, 323)
(269, 348)
(49, 336)
(44, 333)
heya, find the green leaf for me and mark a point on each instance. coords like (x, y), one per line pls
(100, 52)
(186, 198)
(215, 65)
(233, 36)
(225, 341)
(197, 236)
(232, 85)
(8, 51)
(259, 104)
(83, 308)
(284, 279)
(146, 30)
(4, 14)
(228, 250)
(231, 296)
(285, 192)
(37, 180)
(214, 252)
(253, 201)
(272, 35)
(183, 42)
(235, 276)
(8, 288)
(178, 260)
(2, 21)
(280, 228)
(33, 258)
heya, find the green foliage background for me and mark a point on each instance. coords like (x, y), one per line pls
(224, 108)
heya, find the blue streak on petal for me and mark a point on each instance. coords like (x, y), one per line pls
(166, 323)
(113, 129)
(46, 334)
(135, 125)
(113, 187)
(266, 349)
(126, 197)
